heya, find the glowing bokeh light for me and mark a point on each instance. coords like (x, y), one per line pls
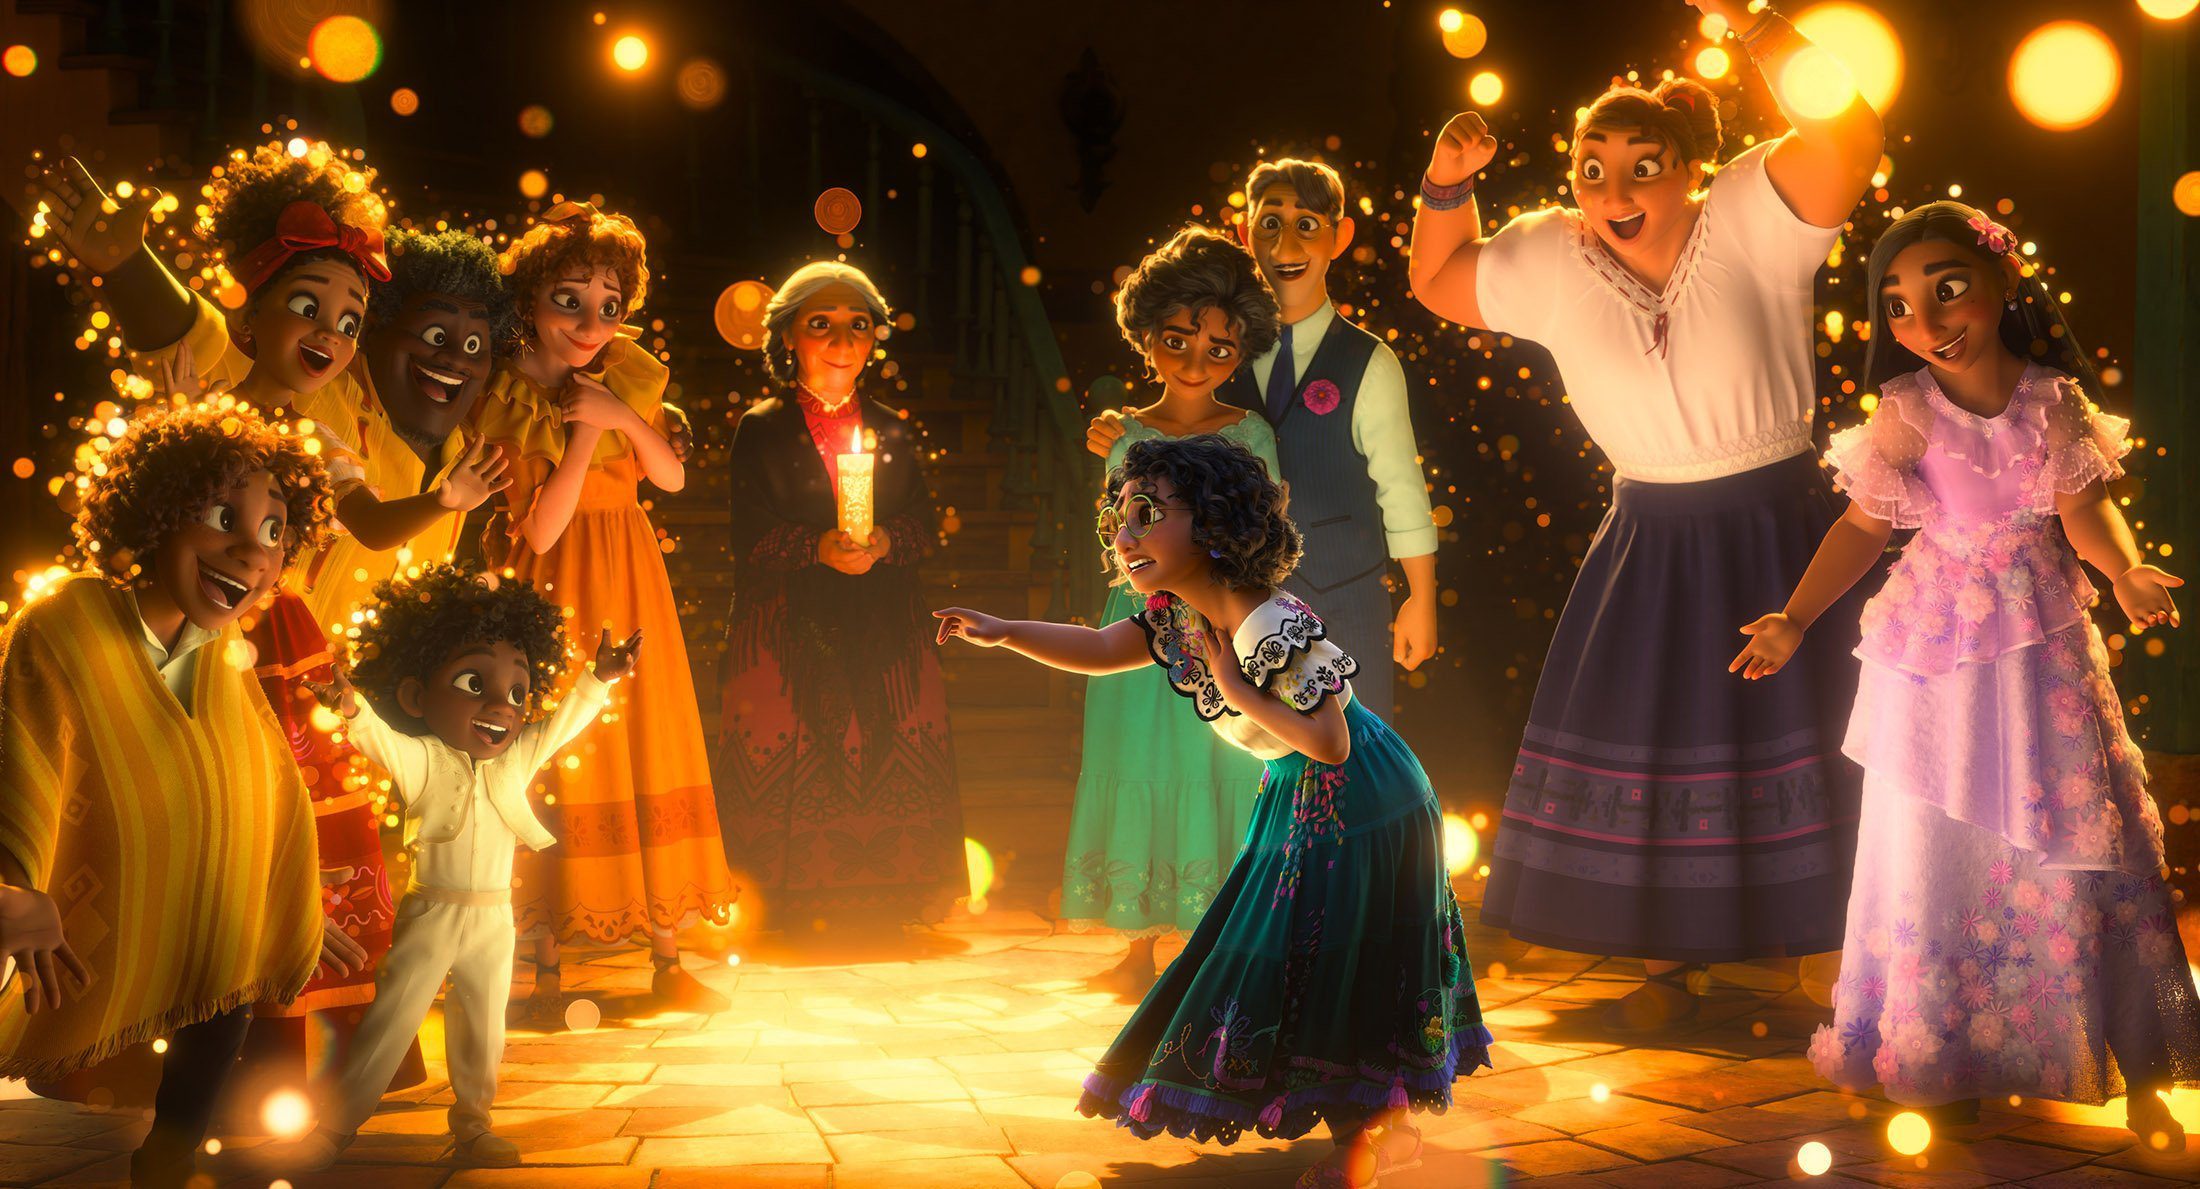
(980, 862)
(2186, 194)
(1815, 1159)
(702, 84)
(1464, 33)
(286, 1114)
(2065, 75)
(1712, 62)
(1864, 42)
(630, 53)
(344, 49)
(1600, 1093)
(1486, 88)
(1460, 844)
(1909, 1133)
(534, 183)
(739, 313)
(1815, 85)
(2168, 10)
(535, 121)
(404, 101)
(837, 211)
(19, 60)
(1712, 26)
(582, 1015)
(297, 146)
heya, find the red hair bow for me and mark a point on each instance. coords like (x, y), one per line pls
(306, 226)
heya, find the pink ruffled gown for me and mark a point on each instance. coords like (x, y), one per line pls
(2008, 931)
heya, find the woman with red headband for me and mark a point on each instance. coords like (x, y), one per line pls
(580, 408)
(1658, 810)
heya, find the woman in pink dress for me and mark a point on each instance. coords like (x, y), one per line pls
(2008, 931)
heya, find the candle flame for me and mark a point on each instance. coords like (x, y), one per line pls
(855, 440)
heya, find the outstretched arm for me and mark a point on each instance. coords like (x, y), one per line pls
(2100, 535)
(106, 232)
(1851, 546)
(1447, 239)
(1116, 648)
(1825, 164)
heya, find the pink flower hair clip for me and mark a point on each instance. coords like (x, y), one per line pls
(1993, 236)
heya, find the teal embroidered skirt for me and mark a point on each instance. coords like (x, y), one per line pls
(1328, 981)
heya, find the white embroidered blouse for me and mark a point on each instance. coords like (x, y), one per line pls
(1281, 648)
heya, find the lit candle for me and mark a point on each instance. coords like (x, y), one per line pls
(855, 489)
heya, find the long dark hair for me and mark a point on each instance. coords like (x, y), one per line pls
(2035, 330)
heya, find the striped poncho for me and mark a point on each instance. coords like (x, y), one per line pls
(178, 846)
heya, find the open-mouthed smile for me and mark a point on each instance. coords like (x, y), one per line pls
(315, 361)
(1948, 351)
(1629, 227)
(220, 589)
(439, 386)
(490, 733)
(1289, 272)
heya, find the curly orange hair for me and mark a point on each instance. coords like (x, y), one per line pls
(586, 237)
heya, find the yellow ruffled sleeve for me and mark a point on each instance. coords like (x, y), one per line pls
(517, 415)
(214, 355)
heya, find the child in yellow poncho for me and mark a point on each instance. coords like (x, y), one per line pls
(144, 784)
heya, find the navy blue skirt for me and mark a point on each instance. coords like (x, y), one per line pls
(1661, 807)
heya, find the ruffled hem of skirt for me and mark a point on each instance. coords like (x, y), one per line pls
(1149, 1108)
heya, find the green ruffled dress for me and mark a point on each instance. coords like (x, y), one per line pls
(1162, 804)
(1330, 979)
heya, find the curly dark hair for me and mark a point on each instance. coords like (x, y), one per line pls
(249, 192)
(421, 619)
(1197, 270)
(452, 263)
(173, 462)
(1240, 516)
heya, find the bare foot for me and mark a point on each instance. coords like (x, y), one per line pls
(2149, 1119)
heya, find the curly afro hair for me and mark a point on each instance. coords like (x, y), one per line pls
(1240, 516)
(418, 621)
(1197, 270)
(590, 238)
(248, 194)
(452, 263)
(173, 462)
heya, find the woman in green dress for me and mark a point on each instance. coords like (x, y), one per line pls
(1162, 803)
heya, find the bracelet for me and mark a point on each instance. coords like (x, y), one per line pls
(1764, 34)
(1446, 198)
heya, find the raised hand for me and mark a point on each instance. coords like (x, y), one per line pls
(177, 373)
(480, 473)
(336, 693)
(2143, 593)
(614, 661)
(1463, 149)
(1772, 640)
(30, 933)
(1100, 436)
(96, 227)
(983, 630)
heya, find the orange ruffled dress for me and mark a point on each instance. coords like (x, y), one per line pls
(637, 826)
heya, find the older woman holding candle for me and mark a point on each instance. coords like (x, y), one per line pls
(835, 771)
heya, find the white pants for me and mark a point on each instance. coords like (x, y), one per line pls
(473, 945)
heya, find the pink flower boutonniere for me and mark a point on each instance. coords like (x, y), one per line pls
(1322, 397)
(1993, 236)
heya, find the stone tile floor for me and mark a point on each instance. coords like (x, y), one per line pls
(954, 1059)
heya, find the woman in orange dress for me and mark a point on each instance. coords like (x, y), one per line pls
(579, 408)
